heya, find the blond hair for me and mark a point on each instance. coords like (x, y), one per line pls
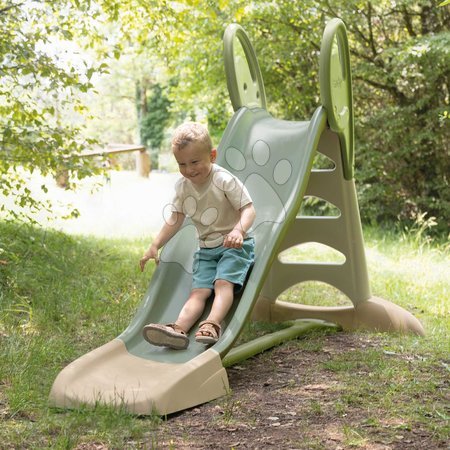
(190, 132)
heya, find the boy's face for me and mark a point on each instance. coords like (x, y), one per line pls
(194, 162)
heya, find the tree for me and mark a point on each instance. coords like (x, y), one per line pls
(185, 37)
(399, 54)
(402, 82)
(41, 109)
(154, 115)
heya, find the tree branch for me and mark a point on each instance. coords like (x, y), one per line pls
(408, 22)
(391, 89)
(7, 8)
(369, 23)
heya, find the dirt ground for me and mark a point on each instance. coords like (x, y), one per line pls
(286, 399)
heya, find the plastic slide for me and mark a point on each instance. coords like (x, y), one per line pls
(273, 158)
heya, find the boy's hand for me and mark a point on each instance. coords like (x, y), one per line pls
(234, 239)
(151, 253)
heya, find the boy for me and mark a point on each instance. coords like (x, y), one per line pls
(222, 211)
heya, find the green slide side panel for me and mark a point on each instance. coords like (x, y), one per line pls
(336, 89)
(244, 79)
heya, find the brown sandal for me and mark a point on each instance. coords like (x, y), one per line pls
(208, 332)
(170, 335)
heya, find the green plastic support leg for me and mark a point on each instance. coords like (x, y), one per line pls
(298, 329)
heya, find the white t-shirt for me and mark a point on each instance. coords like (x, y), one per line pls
(214, 206)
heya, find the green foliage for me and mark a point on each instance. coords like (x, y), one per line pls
(186, 37)
(154, 116)
(399, 57)
(41, 109)
(404, 168)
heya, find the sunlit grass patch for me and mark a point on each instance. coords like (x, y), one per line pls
(315, 293)
(311, 252)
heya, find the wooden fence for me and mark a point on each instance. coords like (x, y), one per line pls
(143, 162)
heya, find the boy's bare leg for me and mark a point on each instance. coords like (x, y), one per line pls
(193, 308)
(223, 300)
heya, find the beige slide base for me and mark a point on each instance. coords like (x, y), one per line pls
(374, 314)
(110, 375)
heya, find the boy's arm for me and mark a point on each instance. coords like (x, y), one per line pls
(235, 238)
(169, 229)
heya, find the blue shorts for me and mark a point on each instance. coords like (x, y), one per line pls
(222, 263)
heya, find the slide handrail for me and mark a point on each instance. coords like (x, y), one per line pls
(336, 89)
(244, 79)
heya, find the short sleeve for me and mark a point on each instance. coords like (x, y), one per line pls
(245, 197)
(233, 189)
(177, 202)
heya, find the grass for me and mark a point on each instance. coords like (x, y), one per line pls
(61, 296)
(403, 380)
